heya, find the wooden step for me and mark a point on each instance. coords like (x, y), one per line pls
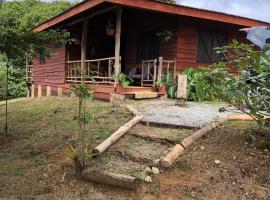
(146, 95)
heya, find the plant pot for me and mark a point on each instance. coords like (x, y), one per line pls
(110, 32)
(162, 90)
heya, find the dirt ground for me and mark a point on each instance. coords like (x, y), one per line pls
(230, 163)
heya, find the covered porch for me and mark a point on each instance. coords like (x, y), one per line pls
(111, 40)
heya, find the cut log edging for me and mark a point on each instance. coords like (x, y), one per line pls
(180, 148)
(109, 178)
(102, 147)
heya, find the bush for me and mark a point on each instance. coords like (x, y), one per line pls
(16, 85)
(198, 88)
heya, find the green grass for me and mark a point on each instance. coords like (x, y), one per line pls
(41, 132)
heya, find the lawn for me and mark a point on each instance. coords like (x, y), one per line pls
(40, 136)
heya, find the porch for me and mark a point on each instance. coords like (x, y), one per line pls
(132, 50)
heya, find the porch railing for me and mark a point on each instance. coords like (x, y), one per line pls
(153, 70)
(149, 72)
(94, 71)
(29, 73)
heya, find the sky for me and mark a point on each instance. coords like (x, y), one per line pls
(256, 9)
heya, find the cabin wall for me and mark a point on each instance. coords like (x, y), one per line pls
(52, 72)
(187, 36)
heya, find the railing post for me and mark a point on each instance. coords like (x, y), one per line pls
(160, 62)
(117, 44)
(155, 72)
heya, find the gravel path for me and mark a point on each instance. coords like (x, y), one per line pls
(192, 115)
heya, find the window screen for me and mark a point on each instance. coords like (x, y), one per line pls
(148, 46)
(207, 41)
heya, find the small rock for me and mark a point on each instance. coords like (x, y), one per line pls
(148, 179)
(202, 147)
(156, 162)
(266, 150)
(217, 162)
(234, 157)
(147, 170)
(233, 183)
(155, 170)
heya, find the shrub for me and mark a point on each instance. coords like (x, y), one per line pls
(16, 84)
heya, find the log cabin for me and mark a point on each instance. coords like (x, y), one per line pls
(143, 39)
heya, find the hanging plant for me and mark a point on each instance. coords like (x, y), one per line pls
(110, 28)
(165, 35)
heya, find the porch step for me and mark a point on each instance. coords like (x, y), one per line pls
(146, 95)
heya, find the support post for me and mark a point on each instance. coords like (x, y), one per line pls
(60, 91)
(182, 90)
(39, 91)
(83, 47)
(49, 91)
(33, 91)
(117, 63)
(160, 61)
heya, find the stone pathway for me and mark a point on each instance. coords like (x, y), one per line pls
(194, 114)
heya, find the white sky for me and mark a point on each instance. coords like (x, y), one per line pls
(256, 9)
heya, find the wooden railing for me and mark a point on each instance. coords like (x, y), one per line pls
(153, 70)
(149, 72)
(94, 71)
(29, 73)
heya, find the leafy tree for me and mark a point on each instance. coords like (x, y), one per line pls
(239, 88)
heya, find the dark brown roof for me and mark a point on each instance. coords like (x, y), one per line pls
(151, 5)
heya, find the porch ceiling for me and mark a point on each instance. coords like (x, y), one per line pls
(150, 5)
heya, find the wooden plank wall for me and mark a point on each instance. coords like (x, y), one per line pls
(52, 72)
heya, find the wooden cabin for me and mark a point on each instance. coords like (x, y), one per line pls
(144, 39)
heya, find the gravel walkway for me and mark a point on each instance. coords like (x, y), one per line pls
(192, 115)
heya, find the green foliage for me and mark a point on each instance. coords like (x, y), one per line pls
(124, 80)
(16, 83)
(84, 93)
(165, 35)
(16, 20)
(198, 88)
(159, 84)
(233, 88)
(171, 85)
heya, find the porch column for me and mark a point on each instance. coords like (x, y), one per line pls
(159, 76)
(83, 47)
(117, 65)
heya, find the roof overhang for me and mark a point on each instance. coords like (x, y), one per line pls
(151, 5)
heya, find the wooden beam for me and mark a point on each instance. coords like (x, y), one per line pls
(105, 10)
(160, 62)
(83, 46)
(152, 6)
(117, 65)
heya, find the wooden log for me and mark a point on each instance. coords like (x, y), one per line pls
(154, 138)
(172, 156)
(242, 117)
(133, 110)
(195, 136)
(109, 178)
(33, 91)
(39, 91)
(60, 92)
(49, 91)
(182, 90)
(117, 135)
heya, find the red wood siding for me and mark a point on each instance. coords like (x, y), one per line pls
(52, 72)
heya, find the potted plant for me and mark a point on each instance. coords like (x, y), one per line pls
(124, 83)
(110, 29)
(161, 87)
(165, 35)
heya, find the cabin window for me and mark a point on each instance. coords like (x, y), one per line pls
(207, 41)
(148, 46)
